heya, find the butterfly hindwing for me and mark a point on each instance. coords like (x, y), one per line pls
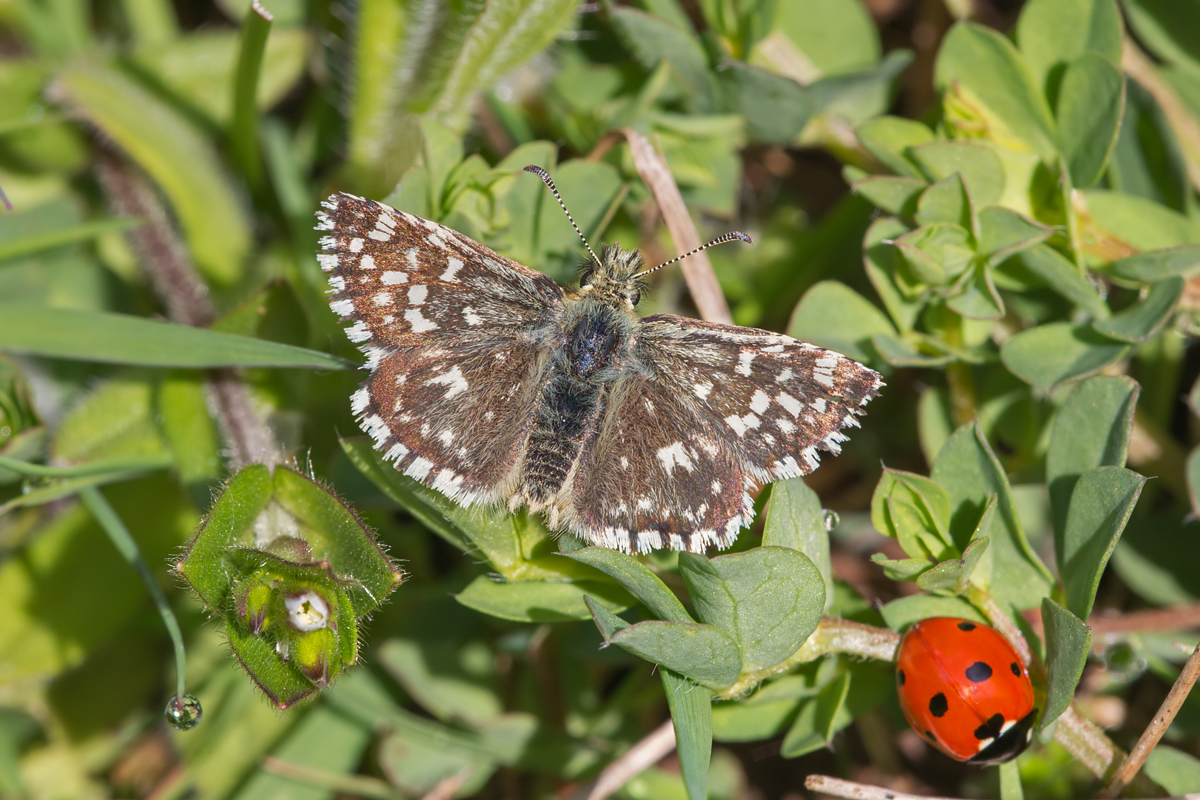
(776, 400)
(456, 419)
(653, 476)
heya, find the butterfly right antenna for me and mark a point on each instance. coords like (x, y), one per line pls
(728, 237)
(545, 176)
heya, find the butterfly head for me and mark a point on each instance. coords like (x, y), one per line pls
(614, 277)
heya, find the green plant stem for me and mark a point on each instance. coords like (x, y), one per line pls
(355, 785)
(119, 535)
(831, 636)
(243, 130)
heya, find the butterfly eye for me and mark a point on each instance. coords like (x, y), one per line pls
(635, 297)
(586, 280)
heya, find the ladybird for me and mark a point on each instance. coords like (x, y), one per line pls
(965, 690)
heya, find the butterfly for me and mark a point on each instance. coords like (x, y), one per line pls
(491, 385)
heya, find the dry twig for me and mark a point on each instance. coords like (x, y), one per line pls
(1158, 726)
(636, 760)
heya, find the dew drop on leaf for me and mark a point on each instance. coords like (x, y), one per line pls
(831, 520)
(183, 713)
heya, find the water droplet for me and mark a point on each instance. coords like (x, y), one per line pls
(183, 713)
(831, 520)
(1099, 285)
(1124, 664)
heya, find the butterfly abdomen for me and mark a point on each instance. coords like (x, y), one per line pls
(593, 351)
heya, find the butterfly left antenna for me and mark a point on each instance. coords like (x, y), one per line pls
(728, 237)
(545, 176)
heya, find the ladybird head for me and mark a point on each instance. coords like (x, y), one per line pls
(1009, 739)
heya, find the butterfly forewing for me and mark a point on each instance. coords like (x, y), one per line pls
(653, 476)
(454, 337)
(774, 400)
(406, 280)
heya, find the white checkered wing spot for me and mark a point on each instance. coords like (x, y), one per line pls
(450, 330)
(773, 400)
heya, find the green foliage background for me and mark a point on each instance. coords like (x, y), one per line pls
(992, 203)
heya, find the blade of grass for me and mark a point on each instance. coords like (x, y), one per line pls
(27, 245)
(243, 129)
(119, 535)
(122, 339)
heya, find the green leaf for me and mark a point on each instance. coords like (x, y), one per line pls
(976, 164)
(817, 722)
(1094, 25)
(769, 599)
(1158, 265)
(178, 158)
(637, 578)
(703, 653)
(452, 679)
(651, 39)
(902, 569)
(956, 573)
(243, 499)
(1049, 354)
(189, 428)
(1091, 102)
(1062, 277)
(885, 272)
(199, 68)
(888, 139)
(899, 614)
(835, 36)
(894, 195)
(795, 519)
(323, 740)
(1167, 28)
(1101, 502)
(1193, 479)
(981, 68)
(917, 491)
(1004, 232)
(540, 601)
(1067, 643)
(1143, 225)
(1177, 772)
(979, 298)
(775, 108)
(121, 339)
(937, 253)
(836, 317)
(1091, 430)
(337, 538)
(969, 471)
(1141, 321)
(947, 201)
(691, 714)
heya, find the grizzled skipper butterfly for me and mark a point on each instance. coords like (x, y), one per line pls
(491, 385)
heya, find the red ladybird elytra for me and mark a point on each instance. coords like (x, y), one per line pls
(964, 688)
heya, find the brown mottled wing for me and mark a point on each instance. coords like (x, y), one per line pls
(453, 334)
(774, 400)
(657, 475)
(403, 280)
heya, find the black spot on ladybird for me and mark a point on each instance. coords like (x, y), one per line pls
(966, 626)
(899, 677)
(978, 672)
(991, 728)
(938, 705)
(1016, 669)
